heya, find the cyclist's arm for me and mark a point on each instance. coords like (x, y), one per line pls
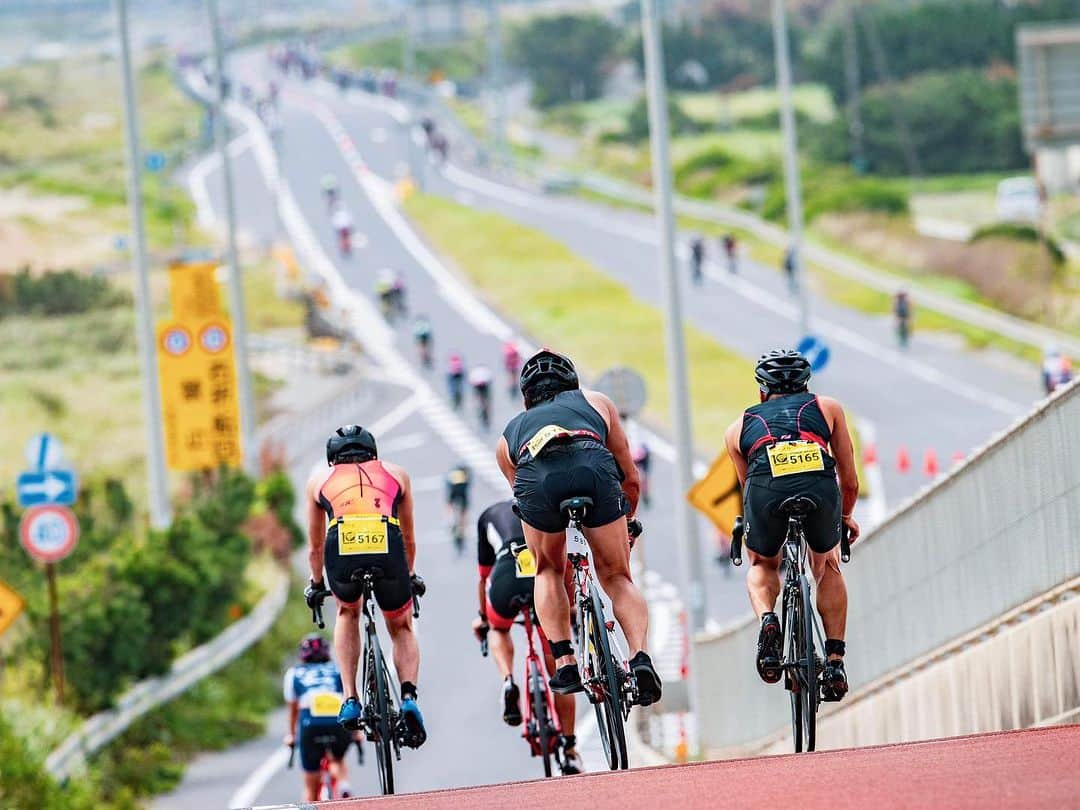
(485, 561)
(289, 692)
(316, 518)
(405, 513)
(502, 456)
(731, 441)
(843, 451)
(619, 445)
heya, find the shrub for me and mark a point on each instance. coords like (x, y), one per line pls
(565, 56)
(637, 120)
(1021, 233)
(57, 292)
(701, 174)
(838, 192)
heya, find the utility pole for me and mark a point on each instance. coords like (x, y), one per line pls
(236, 281)
(854, 88)
(157, 483)
(408, 45)
(791, 159)
(685, 520)
(497, 99)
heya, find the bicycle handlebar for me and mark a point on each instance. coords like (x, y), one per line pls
(845, 545)
(316, 612)
(292, 755)
(736, 541)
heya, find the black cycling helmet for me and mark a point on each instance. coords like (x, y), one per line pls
(351, 443)
(782, 371)
(545, 374)
(314, 649)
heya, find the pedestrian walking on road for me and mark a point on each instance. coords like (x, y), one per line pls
(731, 252)
(697, 258)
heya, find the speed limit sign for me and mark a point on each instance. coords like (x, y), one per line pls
(49, 533)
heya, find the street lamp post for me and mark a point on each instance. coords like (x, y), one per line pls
(685, 522)
(791, 160)
(157, 478)
(236, 282)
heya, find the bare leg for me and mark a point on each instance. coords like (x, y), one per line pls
(611, 554)
(406, 650)
(340, 774)
(312, 785)
(549, 590)
(831, 594)
(347, 644)
(763, 582)
(502, 650)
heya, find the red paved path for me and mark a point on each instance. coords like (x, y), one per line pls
(1021, 769)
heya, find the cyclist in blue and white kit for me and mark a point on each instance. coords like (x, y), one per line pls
(313, 692)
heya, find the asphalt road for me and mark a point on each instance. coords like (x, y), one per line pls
(935, 396)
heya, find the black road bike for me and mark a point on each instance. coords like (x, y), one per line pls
(382, 723)
(801, 664)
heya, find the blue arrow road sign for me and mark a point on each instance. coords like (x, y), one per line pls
(155, 161)
(815, 351)
(44, 487)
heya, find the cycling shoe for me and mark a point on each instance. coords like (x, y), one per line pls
(769, 647)
(834, 683)
(413, 733)
(649, 685)
(567, 680)
(572, 763)
(351, 715)
(511, 703)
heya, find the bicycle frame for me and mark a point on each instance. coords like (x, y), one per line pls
(796, 555)
(530, 734)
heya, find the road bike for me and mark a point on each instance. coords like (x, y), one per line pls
(542, 730)
(382, 721)
(604, 665)
(801, 664)
(329, 789)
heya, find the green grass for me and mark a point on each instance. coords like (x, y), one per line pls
(266, 309)
(812, 100)
(561, 299)
(463, 60)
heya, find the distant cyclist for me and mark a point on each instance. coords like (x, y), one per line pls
(902, 311)
(697, 258)
(455, 380)
(388, 289)
(342, 223)
(790, 414)
(313, 692)
(330, 191)
(512, 366)
(423, 334)
(1056, 369)
(457, 503)
(566, 443)
(506, 579)
(731, 252)
(480, 379)
(361, 496)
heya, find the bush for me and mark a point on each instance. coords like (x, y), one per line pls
(637, 121)
(565, 56)
(1021, 233)
(960, 122)
(57, 292)
(24, 783)
(838, 192)
(704, 172)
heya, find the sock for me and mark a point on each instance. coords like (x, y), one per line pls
(408, 690)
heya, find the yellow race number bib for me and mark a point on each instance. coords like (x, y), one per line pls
(540, 439)
(524, 564)
(789, 458)
(325, 704)
(363, 534)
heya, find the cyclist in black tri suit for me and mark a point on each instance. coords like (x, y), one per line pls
(507, 573)
(566, 443)
(817, 429)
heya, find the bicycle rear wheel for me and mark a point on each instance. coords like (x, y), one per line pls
(540, 715)
(609, 717)
(806, 652)
(792, 681)
(384, 729)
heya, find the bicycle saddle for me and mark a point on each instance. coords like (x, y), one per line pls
(797, 505)
(375, 572)
(577, 506)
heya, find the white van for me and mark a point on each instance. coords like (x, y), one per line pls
(1018, 200)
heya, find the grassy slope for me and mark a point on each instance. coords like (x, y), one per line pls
(560, 298)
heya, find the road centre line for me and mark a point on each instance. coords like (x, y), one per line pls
(256, 783)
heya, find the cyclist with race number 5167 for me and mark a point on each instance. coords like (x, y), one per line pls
(795, 443)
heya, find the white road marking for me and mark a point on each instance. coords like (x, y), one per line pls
(410, 441)
(256, 783)
(398, 415)
(196, 180)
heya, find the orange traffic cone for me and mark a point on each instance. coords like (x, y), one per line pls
(930, 463)
(870, 454)
(903, 460)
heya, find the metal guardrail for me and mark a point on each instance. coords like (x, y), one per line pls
(997, 532)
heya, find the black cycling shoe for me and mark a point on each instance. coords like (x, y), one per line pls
(567, 680)
(769, 646)
(649, 685)
(511, 703)
(834, 683)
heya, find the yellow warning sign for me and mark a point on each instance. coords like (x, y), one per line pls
(11, 605)
(193, 291)
(200, 409)
(718, 495)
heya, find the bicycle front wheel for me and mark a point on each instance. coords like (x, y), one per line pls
(383, 726)
(540, 715)
(806, 652)
(609, 717)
